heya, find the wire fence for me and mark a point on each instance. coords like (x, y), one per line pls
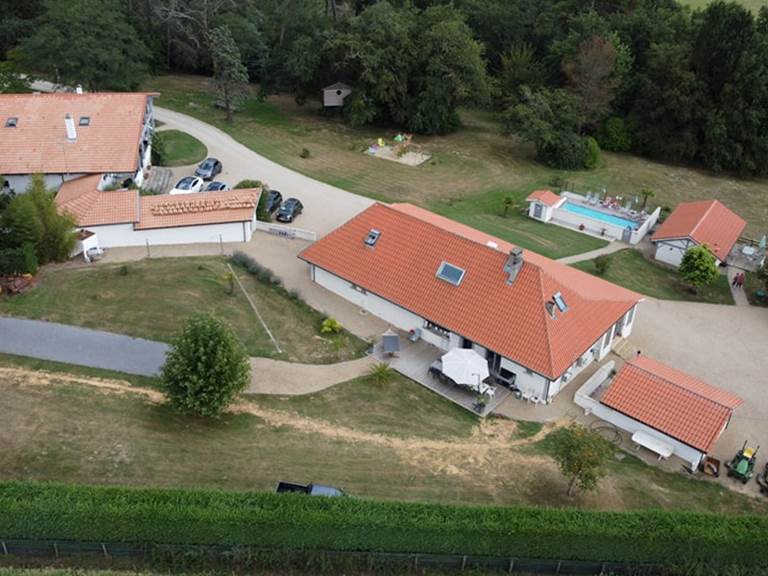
(369, 560)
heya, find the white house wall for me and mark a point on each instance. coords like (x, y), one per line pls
(20, 182)
(672, 251)
(117, 235)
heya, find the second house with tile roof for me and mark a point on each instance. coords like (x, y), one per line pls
(537, 322)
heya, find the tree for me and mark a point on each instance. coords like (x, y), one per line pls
(602, 264)
(230, 76)
(581, 455)
(206, 367)
(698, 267)
(88, 42)
(646, 193)
(58, 237)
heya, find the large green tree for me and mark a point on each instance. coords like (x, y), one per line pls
(230, 76)
(581, 455)
(698, 267)
(57, 239)
(206, 368)
(88, 42)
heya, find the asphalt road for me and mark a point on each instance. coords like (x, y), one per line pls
(73, 345)
(325, 207)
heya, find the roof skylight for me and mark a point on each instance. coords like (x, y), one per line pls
(560, 302)
(85, 121)
(11, 122)
(372, 238)
(450, 273)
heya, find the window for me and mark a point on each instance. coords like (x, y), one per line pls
(85, 121)
(372, 238)
(559, 302)
(550, 307)
(11, 122)
(450, 273)
(436, 328)
(529, 371)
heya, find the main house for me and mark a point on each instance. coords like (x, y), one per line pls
(68, 135)
(536, 321)
(702, 223)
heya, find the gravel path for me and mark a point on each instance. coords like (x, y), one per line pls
(292, 379)
(73, 345)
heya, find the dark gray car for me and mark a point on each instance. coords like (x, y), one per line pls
(208, 169)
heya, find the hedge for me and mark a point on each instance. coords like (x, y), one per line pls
(30, 510)
(18, 260)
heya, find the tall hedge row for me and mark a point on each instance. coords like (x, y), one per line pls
(114, 514)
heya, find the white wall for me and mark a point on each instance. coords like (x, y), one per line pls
(335, 97)
(546, 211)
(116, 235)
(672, 251)
(649, 223)
(20, 182)
(582, 398)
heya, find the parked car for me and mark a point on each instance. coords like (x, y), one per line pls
(188, 184)
(216, 186)
(208, 169)
(312, 489)
(274, 199)
(289, 210)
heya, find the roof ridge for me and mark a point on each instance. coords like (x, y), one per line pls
(703, 217)
(680, 386)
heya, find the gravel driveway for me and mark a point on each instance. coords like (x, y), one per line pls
(325, 207)
(73, 345)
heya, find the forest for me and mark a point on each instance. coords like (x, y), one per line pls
(572, 77)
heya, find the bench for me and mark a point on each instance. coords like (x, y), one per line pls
(652, 443)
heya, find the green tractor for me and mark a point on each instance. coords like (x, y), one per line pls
(742, 466)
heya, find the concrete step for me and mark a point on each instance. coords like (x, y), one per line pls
(625, 349)
(159, 180)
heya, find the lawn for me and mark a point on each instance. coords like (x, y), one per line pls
(152, 298)
(629, 268)
(753, 5)
(181, 149)
(474, 167)
(392, 441)
(752, 284)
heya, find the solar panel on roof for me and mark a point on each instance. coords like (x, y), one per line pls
(561, 305)
(450, 273)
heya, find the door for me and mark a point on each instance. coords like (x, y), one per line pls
(537, 210)
(494, 362)
(626, 236)
(467, 344)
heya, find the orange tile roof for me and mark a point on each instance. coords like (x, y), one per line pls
(673, 402)
(89, 206)
(707, 222)
(199, 208)
(545, 197)
(508, 319)
(39, 141)
(92, 207)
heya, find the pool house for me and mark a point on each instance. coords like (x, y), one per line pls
(609, 218)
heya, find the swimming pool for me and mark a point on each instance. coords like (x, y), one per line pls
(597, 215)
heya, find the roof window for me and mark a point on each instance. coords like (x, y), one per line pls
(85, 121)
(372, 238)
(11, 122)
(450, 273)
(560, 302)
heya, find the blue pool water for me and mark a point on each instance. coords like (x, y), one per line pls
(596, 215)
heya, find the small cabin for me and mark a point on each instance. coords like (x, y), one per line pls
(334, 95)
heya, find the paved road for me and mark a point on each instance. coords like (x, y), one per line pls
(62, 343)
(325, 207)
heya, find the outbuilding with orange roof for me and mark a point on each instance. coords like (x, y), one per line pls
(701, 223)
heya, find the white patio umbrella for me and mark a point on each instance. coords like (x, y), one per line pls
(465, 366)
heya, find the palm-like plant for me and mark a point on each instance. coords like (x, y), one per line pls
(381, 372)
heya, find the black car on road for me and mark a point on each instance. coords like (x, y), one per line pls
(208, 169)
(216, 186)
(289, 210)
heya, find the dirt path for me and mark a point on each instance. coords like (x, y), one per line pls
(461, 457)
(292, 379)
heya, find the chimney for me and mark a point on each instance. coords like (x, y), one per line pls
(69, 122)
(514, 264)
(79, 89)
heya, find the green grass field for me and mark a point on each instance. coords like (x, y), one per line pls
(753, 5)
(474, 167)
(629, 268)
(392, 441)
(181, 149)
(154, 297)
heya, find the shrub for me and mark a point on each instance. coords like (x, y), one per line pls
(567, 151)
(698, 266)
(30, 510)
(330, 326)
(159, 154)
(21, 260)
(123, 270)
(614, 136)
(305, 153)
(602, 263)
(381, 372)
(592, 154)
(206, 368)
(243, 184)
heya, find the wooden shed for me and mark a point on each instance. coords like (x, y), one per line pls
(334, 95)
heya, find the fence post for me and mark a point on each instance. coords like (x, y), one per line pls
(148, 253)
(5, 550)
(221, 244)
(511, 565)
(463, 563)
(104, 549)
(415, 561)
(56, 549)
(557, 572)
